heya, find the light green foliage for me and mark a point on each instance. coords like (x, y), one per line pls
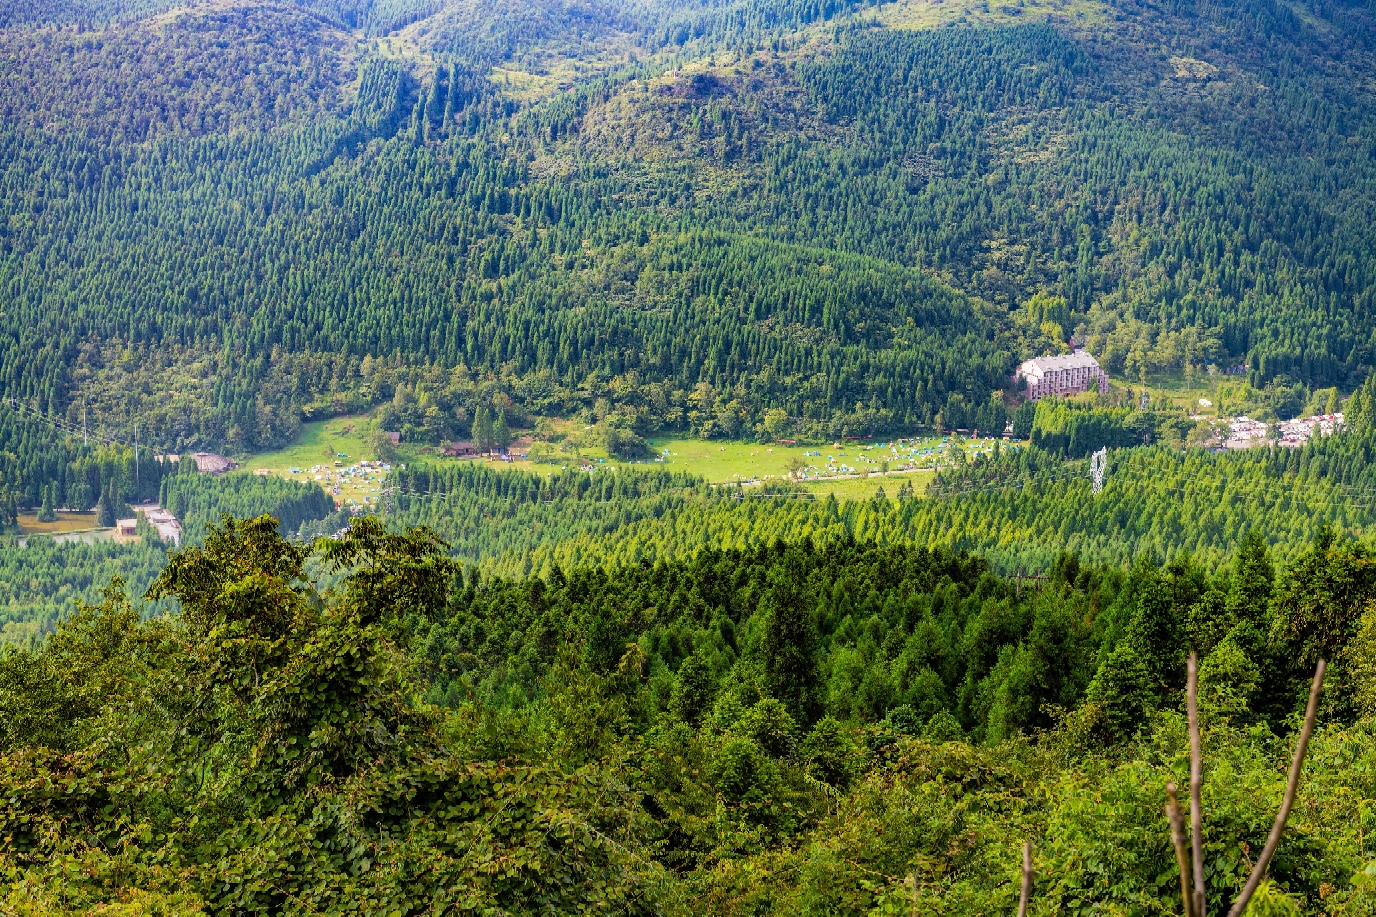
(41, 582)
(200, 500)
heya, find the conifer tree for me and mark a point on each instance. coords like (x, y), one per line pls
(693, 690)
(482, 429)
(47, 513)
(105, 509)
(791, 646)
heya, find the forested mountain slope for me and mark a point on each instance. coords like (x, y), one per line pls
(630, 691)
(860, 214)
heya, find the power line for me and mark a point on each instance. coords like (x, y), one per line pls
(62, 426)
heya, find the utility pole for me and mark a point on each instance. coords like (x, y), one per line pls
(83, 423)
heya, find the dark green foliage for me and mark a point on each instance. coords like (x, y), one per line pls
(501, 434)
(284, 65)
(486, 513)
(790, 647)
(1095, 656)
(1174, 148)
(694, 690)
(1070, 181)
(482, 429)
(290, 716)
(110, 507)
(1123, 693)
(850, 630)
(1074, 432)
(47, 512)
(35, 456)
(1023, 419)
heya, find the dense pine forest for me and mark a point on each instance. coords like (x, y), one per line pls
(215, 217)
(850, 729)
(635, 689)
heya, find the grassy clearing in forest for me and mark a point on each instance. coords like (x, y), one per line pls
(849, 470)
(735, 462)
(346, 440)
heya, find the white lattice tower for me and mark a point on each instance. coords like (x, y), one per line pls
(1098, 464)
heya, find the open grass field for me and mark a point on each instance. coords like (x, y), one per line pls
(840, 469)
(342, 439)
(849, 470)
(1186, 393)
(66, 522)
(735, 462)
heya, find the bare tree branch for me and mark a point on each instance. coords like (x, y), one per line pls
(1196, 794)
(1259, 871)
(1182, 858)
(1026, 878)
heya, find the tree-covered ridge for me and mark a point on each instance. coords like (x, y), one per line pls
(448, 247)
(783, 730)
(579, 245)
(526, 267)
(231, 70)
(1071, 179)
(370, 17)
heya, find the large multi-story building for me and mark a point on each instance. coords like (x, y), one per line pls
(1066, 375)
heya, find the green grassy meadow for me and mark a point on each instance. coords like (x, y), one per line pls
(737, 462)
(850, 470)
(346, 440)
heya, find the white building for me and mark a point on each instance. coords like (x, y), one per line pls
(163, 522)
(1068, 375)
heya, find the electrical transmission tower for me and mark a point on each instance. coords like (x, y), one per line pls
(1098, 464)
